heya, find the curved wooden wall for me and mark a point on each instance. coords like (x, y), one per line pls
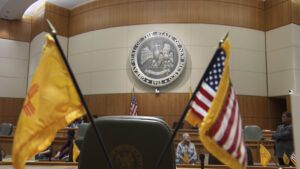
(281, 12)
(254, 14)
(16, 30)
(106, 13)
(58, 16)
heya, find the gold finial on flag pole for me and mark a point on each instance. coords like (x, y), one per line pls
(223, 40)
(51, 27)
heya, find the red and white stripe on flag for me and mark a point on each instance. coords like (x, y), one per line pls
(133, 105)
(216, 106)
(293, 158)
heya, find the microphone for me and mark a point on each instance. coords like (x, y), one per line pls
(202, 157)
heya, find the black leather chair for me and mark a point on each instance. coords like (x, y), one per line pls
(80, 134)
(133, 142)
(78, 139)
(6, 129)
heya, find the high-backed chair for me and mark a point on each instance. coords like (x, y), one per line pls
(80, 134)
(133, 142)
(78, 139)
(252, 132)
(6, 129)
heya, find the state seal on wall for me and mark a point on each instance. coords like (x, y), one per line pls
(158, 58)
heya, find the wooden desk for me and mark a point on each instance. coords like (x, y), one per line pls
(178, 166)
(6, 143)
(61, 137)
(188, 166)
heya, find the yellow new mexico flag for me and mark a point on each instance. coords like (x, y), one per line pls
(52, 102)
(190, 116)
(76, 151)
(265, 155)
(286, 159)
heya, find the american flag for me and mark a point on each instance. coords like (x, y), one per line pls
(215, 105)
(293, 158)
(133, 106)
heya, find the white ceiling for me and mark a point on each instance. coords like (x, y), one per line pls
(14, 9)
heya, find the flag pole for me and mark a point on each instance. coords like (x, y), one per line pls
(99, 137)
(275, 162)
(188, 106)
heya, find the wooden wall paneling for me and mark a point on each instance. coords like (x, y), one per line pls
(277, 13)
(102, 14)
(296, 11)
(288, 103)
(168, 106)
(252, 108)
(262, 111)
(270, 3)
(16, 29)
(276, 107)
(4, 29)
(59, 17)
(10, 109)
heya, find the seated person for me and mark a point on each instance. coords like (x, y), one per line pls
(186, 150)
(65, 149)
(45, 154)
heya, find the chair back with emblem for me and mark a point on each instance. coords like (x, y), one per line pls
(6, 129)
(133, 142)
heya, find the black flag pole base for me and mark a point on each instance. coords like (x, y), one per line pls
(99, 137)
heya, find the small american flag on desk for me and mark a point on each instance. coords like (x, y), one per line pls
(133, 105)
(293, 158)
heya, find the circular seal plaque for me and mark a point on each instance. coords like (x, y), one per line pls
(157, 59)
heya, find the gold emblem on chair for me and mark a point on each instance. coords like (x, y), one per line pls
(126, 157)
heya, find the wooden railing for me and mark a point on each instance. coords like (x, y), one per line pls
(61, 137)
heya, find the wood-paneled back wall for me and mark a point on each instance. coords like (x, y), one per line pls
(254, 14)
(262, 111)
